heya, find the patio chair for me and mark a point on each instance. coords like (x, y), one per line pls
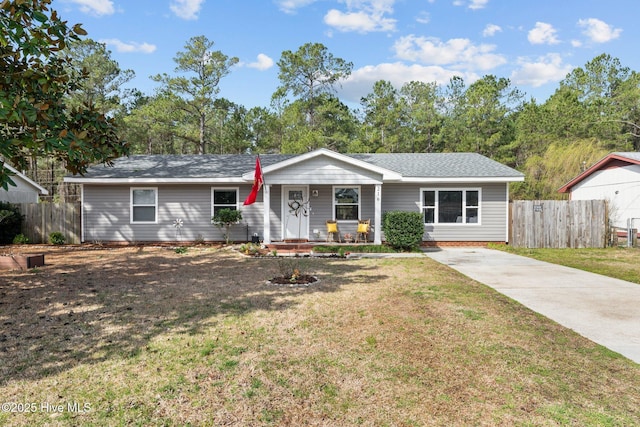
(332, 231)
(363, 230)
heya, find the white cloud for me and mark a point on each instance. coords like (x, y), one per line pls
(543, 33)
(478, 4)
(262, 63)
(491, 29)
(290, 6)
(576, 43)
(363, 16)
(457, 53)
(186, 9)
(95, 7)
(423, 18)
(361, 22)
(471, 4)
(546, 69)
(130, 47)
(361, 81)
(599, 31)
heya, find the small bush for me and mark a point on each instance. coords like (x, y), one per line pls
(226, 218)
(20, 239)
(250, 249)
(403, 230)
(180, 250)
(293, 267)
(10, 222)
(57, 238)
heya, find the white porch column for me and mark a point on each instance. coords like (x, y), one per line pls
(266, 232)
(377, 227)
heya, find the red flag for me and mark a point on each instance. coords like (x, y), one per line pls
(257, 184)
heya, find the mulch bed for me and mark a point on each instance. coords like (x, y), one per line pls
(302, 280)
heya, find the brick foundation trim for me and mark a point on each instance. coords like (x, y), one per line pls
(432, 244)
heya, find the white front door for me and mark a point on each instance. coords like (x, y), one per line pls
(295, 212)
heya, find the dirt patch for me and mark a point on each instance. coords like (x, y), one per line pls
(302, 280)
(151, 335)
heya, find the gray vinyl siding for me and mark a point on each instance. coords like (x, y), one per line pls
(106, 214)
(275, 224)
(493, 211)
(22, 192)
(320, 170)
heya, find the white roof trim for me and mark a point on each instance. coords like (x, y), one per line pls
(40, 189)
(412, 180)
(479, 179)
(82, 180)
(387, 175)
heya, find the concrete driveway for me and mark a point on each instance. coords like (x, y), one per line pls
(602, 309)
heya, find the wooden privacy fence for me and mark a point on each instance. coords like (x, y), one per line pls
(559, 224)
(41, 219)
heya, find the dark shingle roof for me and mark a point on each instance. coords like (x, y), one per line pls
(417, 165)
(439, 165)
(183, 166)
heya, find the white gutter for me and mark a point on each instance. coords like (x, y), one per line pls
(83, 180)
(480, 179)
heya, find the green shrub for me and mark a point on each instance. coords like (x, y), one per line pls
(403, 230)
(10, 222)
(250, 249)
(57, 238)
(226, 218)
(20, 239)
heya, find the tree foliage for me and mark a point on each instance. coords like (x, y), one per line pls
(308, 73)
(195, 92)
(11, 221)
(102, 85)
(595, 109)
(38, 77)
(552, 168)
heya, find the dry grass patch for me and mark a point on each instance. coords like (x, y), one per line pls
(147, 336)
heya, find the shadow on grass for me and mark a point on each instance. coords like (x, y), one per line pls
(87, 306)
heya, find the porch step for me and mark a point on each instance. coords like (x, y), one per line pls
(291, 246)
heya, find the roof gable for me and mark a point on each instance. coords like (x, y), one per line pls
(39, 189)
(618, 159)
(387, 175)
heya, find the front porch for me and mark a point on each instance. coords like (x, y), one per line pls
(300, 194)
(298, 213)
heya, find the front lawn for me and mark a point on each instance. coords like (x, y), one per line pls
(618, 262)
(148, 336)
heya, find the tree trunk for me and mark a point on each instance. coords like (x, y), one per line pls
(202, 122)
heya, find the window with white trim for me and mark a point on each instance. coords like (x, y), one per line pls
(346, 203)
(144, 205)
(450, 206)
(223, 198)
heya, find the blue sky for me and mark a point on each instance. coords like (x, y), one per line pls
(533, 43)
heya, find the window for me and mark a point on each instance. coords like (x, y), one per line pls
(144, 205)
(223, 198)
(450, 206)
(346, 202)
